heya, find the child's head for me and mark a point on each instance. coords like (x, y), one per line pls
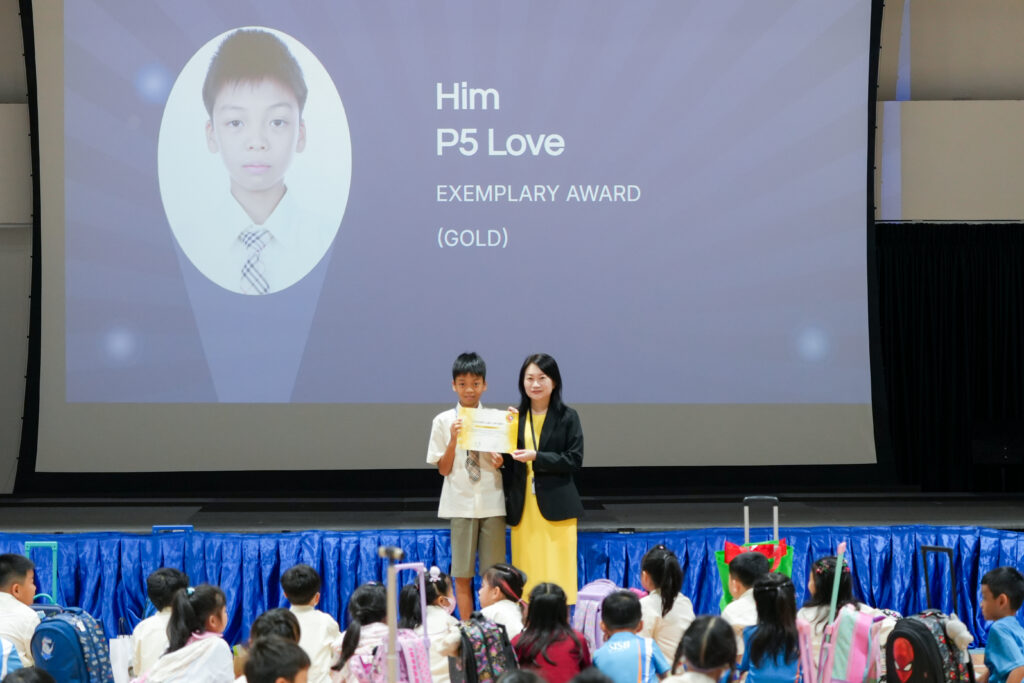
(439, 594)
(195, 610)
(17, 577)
(162, 584)
(276, 660)
(776, 633)
(501, 582)
(591, 675)
(1002, 593)
(469, 378)
(368, 605)
(301, 585)
(280, 622)
(821, 580)
(660, 571)
(29, 674)
(744, 570)
(255, 93)
(708, 646)
(547, 621)
(520, 676)
(620, 611)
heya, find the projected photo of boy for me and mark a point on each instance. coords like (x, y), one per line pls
(263, 234)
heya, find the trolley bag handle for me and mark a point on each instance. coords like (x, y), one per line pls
(835, 582)
(392, 554)
(948, 552)
(747, 500)
(52, 547)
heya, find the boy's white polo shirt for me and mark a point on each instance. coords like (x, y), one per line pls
(460, 496)
(317, 630)
(740, 613)
(18, 622)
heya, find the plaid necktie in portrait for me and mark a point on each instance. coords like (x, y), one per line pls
(253, 279)
(473, 465)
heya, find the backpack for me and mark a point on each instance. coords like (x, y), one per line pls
(413, 659)
(920, 651)
(484, 654)
(850, 649)
(72, 647)
(587, 617)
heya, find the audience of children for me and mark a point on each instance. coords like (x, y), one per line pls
(367, 610)
(18, 621)
(771, 651)
(706, 653)
(547, 644)
(301, 585)
(666, 611)
(625, 656)
(501, 597)
(1002, 593)
(744, 570)
(440, 600)
(149, 639)
(196, 652)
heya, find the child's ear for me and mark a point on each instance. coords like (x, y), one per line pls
(211, 141)
(604, 630)
(316, 599)
(301, 144)
(639, 626)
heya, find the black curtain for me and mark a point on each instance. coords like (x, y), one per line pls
(951, 321)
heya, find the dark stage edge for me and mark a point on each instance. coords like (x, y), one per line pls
(654, 513)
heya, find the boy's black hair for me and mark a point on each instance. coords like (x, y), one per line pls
(300, 584)
(620, 611)
(749, 567)
(29, 674)
(469, 363)
(162, 584)
(273, 657)
(591, 675)
(278, 622)
(13, 569)
(1005, 581)
(252, 56)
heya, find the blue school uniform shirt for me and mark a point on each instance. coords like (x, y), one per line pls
(9, 659)
(773, 669)
(629, 658)
(1005, 649)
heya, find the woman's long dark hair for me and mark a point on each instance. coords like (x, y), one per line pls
(708, 644)
(190, 608)
(776, 632)
(662, 565)
(368, 605)
(547, 622)
(823, 574)
(549, 367)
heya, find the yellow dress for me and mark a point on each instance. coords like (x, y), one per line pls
(545, 550)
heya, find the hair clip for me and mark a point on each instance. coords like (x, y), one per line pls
(434, 575)
(190, 590)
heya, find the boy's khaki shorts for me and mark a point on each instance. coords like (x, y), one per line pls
(470, 536)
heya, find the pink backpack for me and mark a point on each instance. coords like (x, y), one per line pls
(850, 649)
(413, 658)
(587, 617)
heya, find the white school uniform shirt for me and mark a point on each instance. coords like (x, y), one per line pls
(207, 658)
(439, 624)
(317, 631)
(18, 622)
(150, 641)
(689, 677)
(370, 636)
(461, 497)
(666, 630)
(297, 242)
(506, 613)
(740, 613)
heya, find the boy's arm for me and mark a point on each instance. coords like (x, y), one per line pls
(1016, 675)
(444, 443)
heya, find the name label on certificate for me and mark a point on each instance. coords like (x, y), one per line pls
(488, 430)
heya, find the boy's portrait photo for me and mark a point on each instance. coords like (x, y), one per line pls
(254, 160)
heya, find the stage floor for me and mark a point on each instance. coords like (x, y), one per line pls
(41, 515)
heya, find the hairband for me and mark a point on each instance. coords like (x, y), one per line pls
(830, 565)
(434, 575)
(190, 590)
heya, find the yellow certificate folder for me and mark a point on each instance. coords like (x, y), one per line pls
(488, 430)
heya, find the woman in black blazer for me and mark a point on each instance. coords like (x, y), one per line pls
(541, 500)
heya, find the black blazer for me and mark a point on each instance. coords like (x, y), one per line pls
(559, 457)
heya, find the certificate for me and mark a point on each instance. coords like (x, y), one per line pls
(488, 430)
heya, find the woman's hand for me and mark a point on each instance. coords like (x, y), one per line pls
(523, 455)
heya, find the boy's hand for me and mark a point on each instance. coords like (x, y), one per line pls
(524, 455)
(456, 428)
(496, 460)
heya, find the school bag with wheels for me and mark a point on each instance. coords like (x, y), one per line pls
(931, 646)
(72, 647)
(586, 618)
(484, 654)
(411, 660)
(776, 550)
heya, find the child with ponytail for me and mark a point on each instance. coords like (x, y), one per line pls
(440, 600)
(706, 653)
(548, 645)
(501, 597)
(667, 613)
(771, 649)
(367, 610)
(197, 653)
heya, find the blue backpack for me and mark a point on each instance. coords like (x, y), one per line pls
(72, 647)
